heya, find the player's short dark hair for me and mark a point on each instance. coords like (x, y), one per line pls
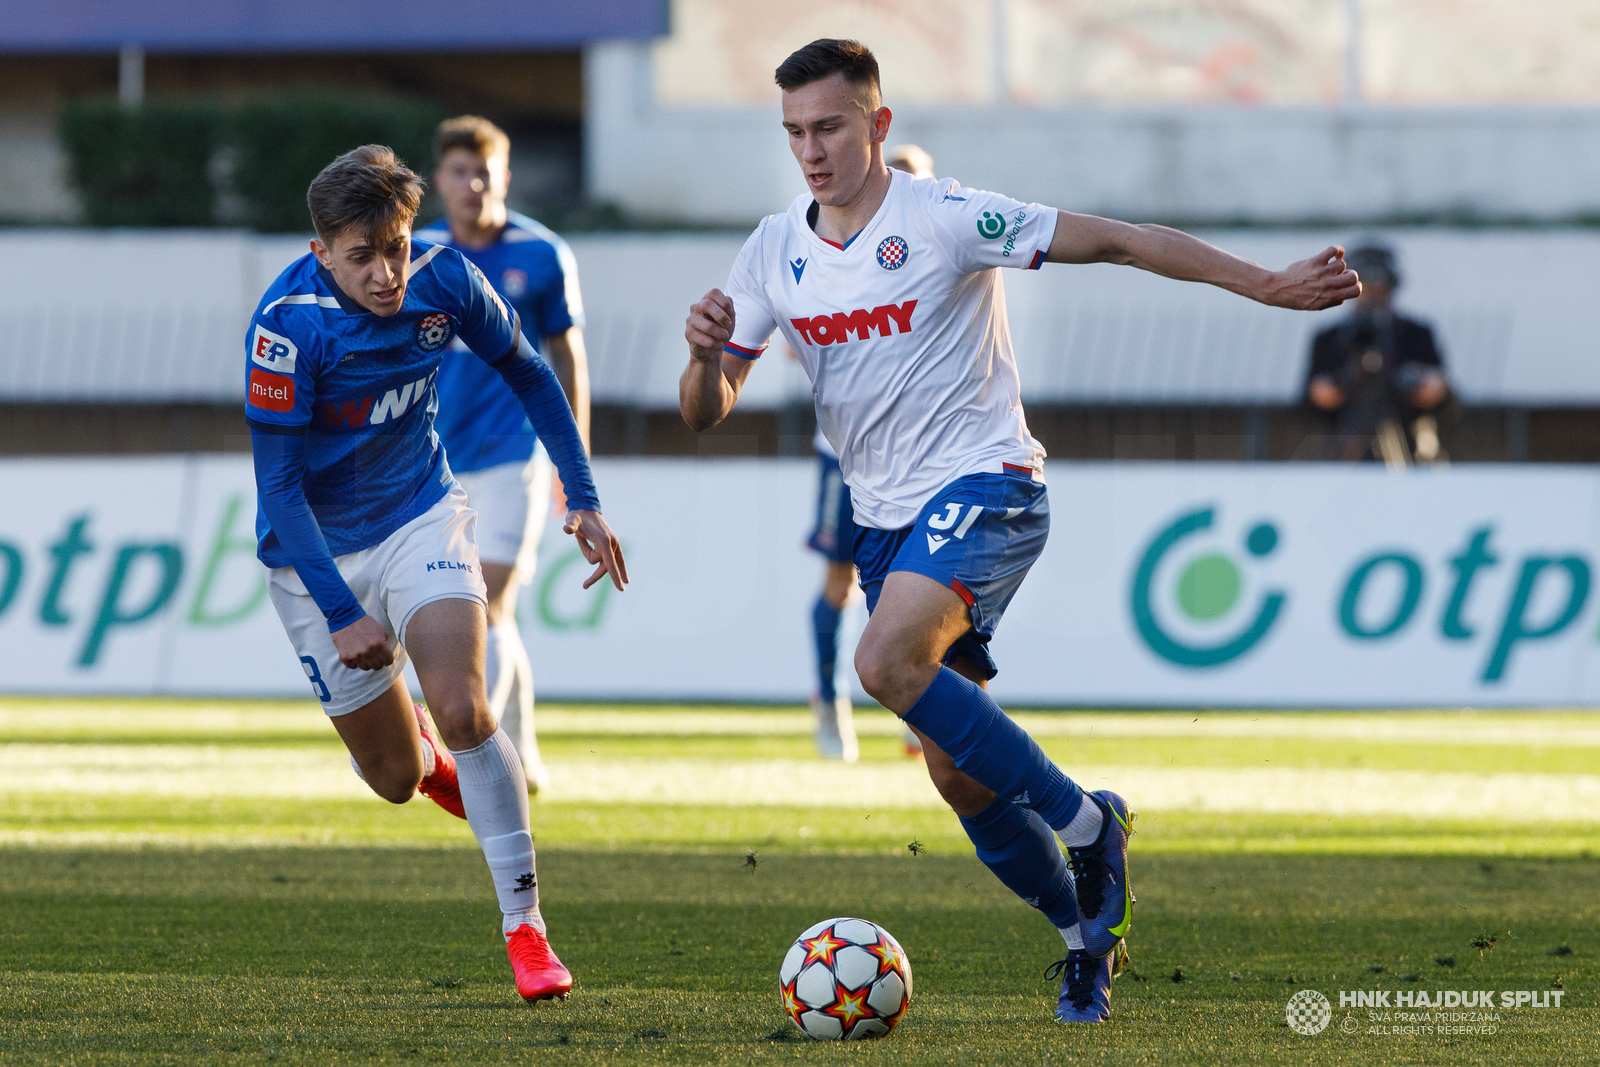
(368, 188)
(474, 133)
(829, 56)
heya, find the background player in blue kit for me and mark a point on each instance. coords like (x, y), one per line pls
(368, 539)
(833, 536)
(493, 451)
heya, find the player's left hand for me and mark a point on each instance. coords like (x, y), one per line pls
(598, 545)
(1323, 281)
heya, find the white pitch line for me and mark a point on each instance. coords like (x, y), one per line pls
(1375, 728)
(252, 771)
(1431, 728)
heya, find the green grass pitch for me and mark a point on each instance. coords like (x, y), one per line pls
(192, 882)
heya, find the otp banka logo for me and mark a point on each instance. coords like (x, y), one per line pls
(1201, 585)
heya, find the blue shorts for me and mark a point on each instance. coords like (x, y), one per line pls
(835, 533)
(979, 535)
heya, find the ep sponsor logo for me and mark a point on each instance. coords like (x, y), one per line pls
(273, 351)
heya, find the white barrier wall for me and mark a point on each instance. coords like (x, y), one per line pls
(1168, 584)
(1511, 309)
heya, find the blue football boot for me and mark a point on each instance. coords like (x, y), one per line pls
(1100, 874)
(1085, 985)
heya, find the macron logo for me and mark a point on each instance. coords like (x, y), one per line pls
(837, 328)
(799, 268)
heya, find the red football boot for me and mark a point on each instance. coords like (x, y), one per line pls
(540, 976)
(441, 786)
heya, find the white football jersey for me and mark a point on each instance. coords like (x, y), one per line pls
(903, 333)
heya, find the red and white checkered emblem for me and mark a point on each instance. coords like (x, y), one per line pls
(892, 253)
(434, 332)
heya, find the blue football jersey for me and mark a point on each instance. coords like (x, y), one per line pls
(362, 388)
(480, 422)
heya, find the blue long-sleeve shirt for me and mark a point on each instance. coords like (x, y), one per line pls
(341, 407)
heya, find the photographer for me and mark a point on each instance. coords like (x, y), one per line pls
(1378, 375)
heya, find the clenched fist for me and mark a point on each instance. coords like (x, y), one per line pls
(1323, 281)
(709, 327)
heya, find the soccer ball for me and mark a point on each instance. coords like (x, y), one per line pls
(845, 980)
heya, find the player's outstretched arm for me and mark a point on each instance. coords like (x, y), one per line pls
(710, 384)
(1322, 281)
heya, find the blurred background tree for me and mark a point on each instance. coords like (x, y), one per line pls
(187, 163)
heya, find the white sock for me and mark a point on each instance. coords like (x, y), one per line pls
(429, 761)
(514, 709)
(495, 795)
(1072, 935)
(499, 665)
(1084, 829)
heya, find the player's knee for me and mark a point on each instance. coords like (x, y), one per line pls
(396, 782)
(873, 670)
(883, 673)
(463, 723)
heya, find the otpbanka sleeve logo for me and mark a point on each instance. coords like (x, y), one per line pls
(1308, 1012)
(1207, 590)
(991, 225)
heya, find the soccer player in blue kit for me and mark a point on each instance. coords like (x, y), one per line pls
(887, 289)
(368, 539)
(494, 453)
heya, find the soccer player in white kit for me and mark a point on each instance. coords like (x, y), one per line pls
(885, 286)
(833, 537)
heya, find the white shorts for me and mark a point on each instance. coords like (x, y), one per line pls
(511, 500)
(432, 557)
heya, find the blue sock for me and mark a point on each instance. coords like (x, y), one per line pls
(959, 717)
(1019, 848)
(825, 628)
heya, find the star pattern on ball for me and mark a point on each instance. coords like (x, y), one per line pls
(822, 947)
(791, 1003)
(888, 958)
(850, 1008)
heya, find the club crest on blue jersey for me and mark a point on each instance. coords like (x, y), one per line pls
(514, 283)
(892, 253)
(434, 331)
